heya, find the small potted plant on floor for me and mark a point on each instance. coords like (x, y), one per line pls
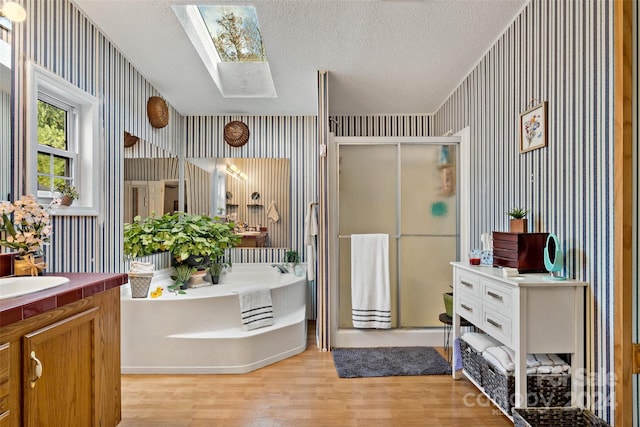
(67, 193)
(518, 223)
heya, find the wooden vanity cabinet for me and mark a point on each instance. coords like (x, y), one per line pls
(4, 385)
(78, 348)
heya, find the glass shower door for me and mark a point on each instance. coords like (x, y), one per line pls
(428, 232)
(367, 179)
(406, 191)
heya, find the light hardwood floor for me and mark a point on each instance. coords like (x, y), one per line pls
(303, 391)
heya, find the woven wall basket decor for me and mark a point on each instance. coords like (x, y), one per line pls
(130, 140)
(236, 133)
(158, 112)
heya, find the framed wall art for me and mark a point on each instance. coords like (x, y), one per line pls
(533, 127)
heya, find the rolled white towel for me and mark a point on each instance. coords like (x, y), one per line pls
(545, 369)
(556, 360)
(559, 369)
(480, 342)
(141, 267)
(495, 362)
(544, 359)
(532, 362)
(502, 356)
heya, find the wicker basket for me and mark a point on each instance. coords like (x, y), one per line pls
(543, 390)
(140, 283)
(472, 362)
(556, 417)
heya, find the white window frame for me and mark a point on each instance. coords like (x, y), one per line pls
(83, 134)
(71, 152)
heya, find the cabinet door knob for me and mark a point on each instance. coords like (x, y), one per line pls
(38, 369)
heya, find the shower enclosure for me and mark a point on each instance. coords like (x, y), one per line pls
(406, 188)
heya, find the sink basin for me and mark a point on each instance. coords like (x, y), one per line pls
(250, 233)
(15, 286)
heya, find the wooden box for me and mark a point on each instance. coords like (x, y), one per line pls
(524, 251)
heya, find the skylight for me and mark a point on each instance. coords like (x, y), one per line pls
(235, 32)
(229, 42)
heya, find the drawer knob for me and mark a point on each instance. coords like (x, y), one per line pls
(467, 284)
(494, 295)
(494, 323)
(466, 307)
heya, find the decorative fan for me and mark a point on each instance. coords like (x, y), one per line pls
(236, 133)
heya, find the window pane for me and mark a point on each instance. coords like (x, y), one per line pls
(53, 170)
(52, 126)
(44, 165)
(44, 183)
(235, 32)
(61, 166)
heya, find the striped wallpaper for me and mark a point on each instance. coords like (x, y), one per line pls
(381, 125)
(59, 38)
(292, 137)
(5, 130)
(559, 52)
(5, 144)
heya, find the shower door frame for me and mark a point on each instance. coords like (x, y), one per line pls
(423, 336)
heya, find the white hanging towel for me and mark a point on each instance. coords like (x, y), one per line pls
(272, 212)
(256, 307)
(310, 233)
(370, 287)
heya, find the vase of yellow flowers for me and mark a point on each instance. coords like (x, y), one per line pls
(25, 226)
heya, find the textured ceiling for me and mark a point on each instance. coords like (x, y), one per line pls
(383, 57)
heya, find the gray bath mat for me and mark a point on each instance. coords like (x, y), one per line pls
(388, 362)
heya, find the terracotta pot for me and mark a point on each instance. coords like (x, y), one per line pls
(518, 225)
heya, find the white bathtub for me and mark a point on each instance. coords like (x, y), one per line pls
(201, 332)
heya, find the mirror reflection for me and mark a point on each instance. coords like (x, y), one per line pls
(252, 192)
(5, 120)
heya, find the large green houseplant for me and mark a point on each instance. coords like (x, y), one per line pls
(196, 239)
(193, 239)
(146, 236)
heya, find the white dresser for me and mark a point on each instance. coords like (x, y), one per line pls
(530, 313)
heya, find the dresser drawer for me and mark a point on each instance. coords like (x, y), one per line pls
(497, 295)
(469, 284)
(496, 325)
(468, 307)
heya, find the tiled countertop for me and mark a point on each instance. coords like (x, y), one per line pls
(81, 285)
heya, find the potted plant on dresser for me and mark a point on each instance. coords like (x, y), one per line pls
(518, 223)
